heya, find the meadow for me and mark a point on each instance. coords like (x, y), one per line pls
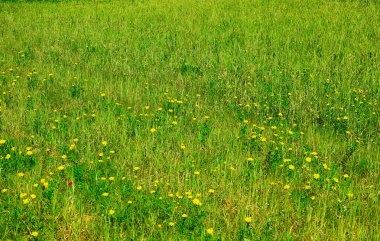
(190, 120)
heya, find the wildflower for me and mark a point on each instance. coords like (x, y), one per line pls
(287, 186)
(210, 231)
(29, 153)
(153, 130)
(136, 168)
(25, 201)
(249, 159)
(129, 202)
(33, 196)
(211, 190)
(350, 195)
(105, 194)
(4, 190)
(111, 212)
(184, 215)
(308, 159)
(248, 219)
(183, 146)
(111, 178)
(8, 156)
(64, 157)
(316, 176)
(20, 174)
(139, 188)
(291, 167)
(197, 173)
(336, 179)
(171, 224)
(2, 141)
(197, 202)
(345, 176)
(34, 234)
(61, 168)
(104, 143)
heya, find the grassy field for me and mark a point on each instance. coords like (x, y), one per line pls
(190, 120)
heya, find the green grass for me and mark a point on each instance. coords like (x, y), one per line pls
(220, 110)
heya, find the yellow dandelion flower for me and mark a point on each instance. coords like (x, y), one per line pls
(4, 190)
(316, 176)
(211, 190)
(184, 215)
(8, 156)
(153, 130)
(197, 202)
(111, 212)
(248, 219)
(210, 231)
(129, 202)
(64, 157)
(104, 143)
(20, 174)
(197, 173)
(2, 141)
(136, 168)
(61, 168)
(291, 167)
(308, 159)
(287, 186)
(33, 196)
(350, 195)
(29, 153)
(25, 201)
(171, 224)
(111, 178)
(34, 234)
(345, 176)
(139, 188)
(105, 194)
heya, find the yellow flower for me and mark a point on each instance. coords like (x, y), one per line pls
(210, 231)
(35, 234)
(136, 168)
(20, 174)
(197, 173)
(211, 190)
(29, 153)
(4, 190)
(287, 160)
(33, 196)
(184, 215)
(153, 130)
(129, 202)
(316, 176)
(111, 212)
(287, 186)
(171, 224)
(7, 156)
(104, 143)
(139, 188)
(249, 159)
(25, 201)
(345, 176)
(197, 202)
(183, 146)
(105, 194)
(291, 167)
(111, 178)
(2, 141)
(64, 157)
(248, 219)
(350, 195)
(308, 159)
(46, 184)
(61, 168)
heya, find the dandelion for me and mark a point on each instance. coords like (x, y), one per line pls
(33, 196)
(308, 159)
(171, 224)
(34, 234)
(248, 219)
(104, 143)
(350, 195)
(346, 176)
(105, 194)
(129, 202)
(25, 201)
(20, 174)
(8, 156)
(184, 215)
(197, 202)
(316, 176)
(2, 141)
(291, 167)
(197, 173)
(60, 168)
(153, 130)
(139, 188)
(249, 159)
(4, 190)
(29, 153)
(211, 190)
(210, 231)
(111, 212)
(287, 186)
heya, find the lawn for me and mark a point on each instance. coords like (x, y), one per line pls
(190, 120)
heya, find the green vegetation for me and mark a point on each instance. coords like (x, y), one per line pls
(190, 120)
